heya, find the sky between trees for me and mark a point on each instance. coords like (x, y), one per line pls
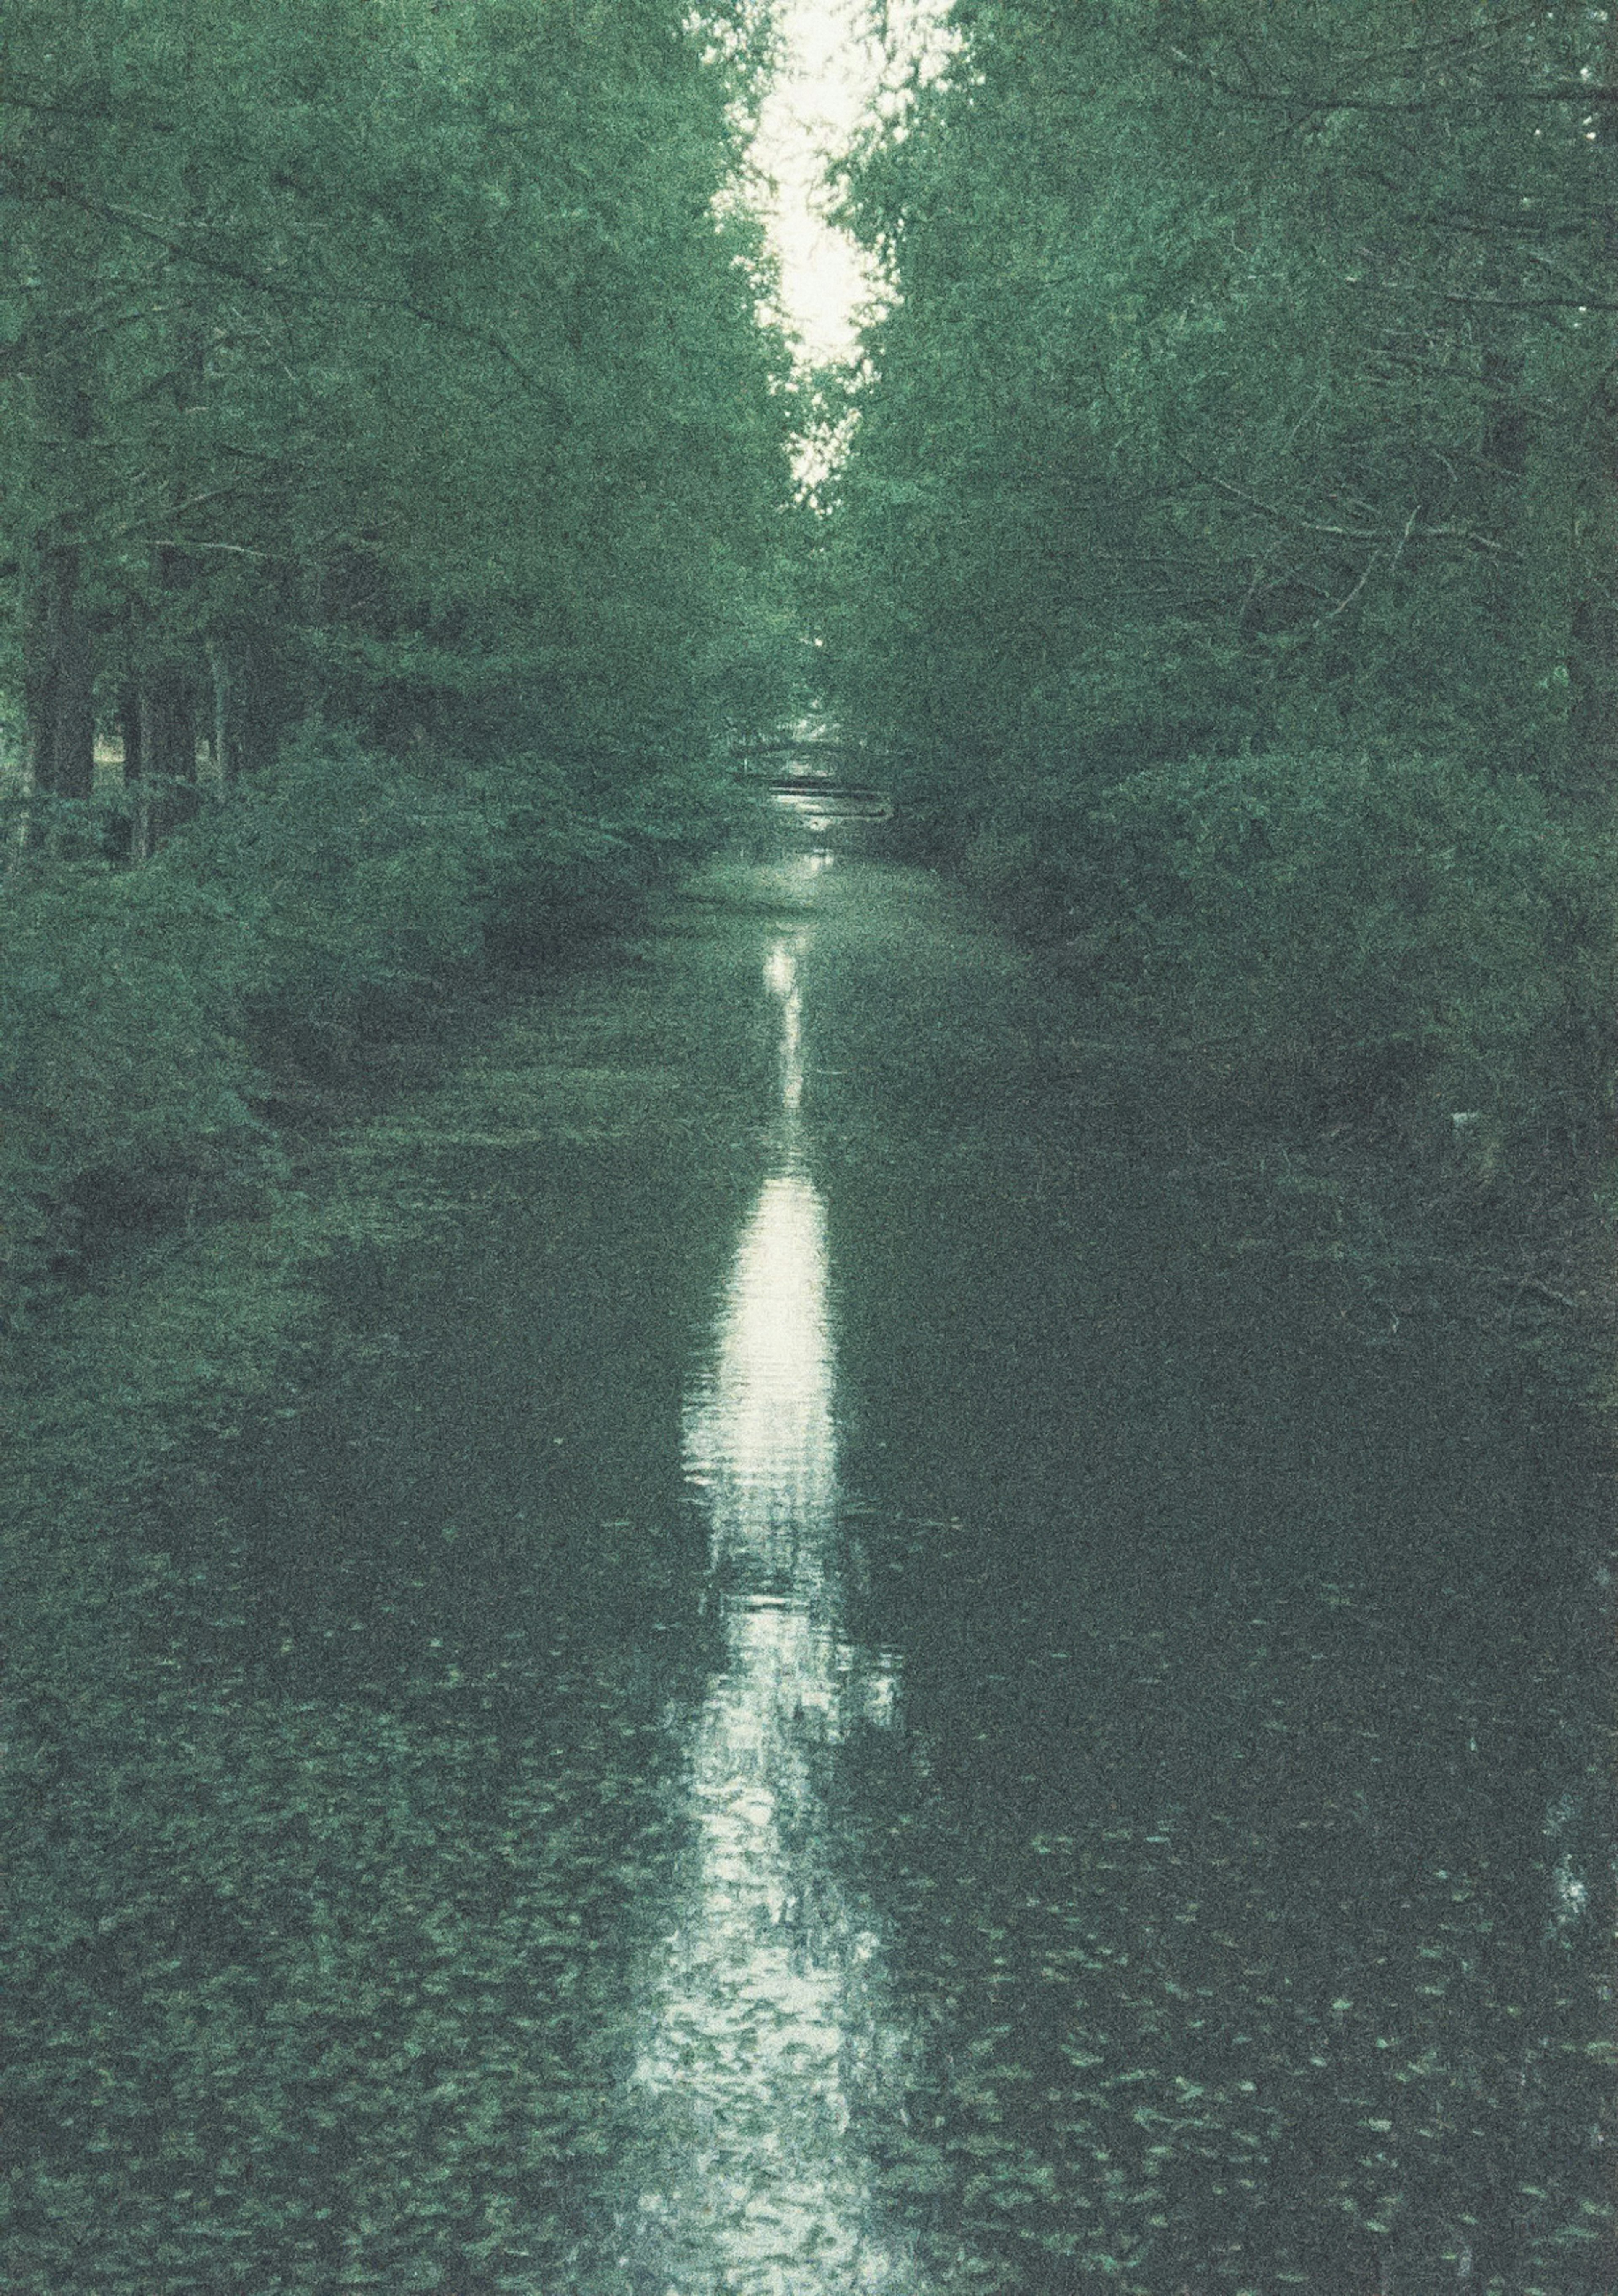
(838, 71)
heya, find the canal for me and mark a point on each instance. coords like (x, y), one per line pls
(858, 1666)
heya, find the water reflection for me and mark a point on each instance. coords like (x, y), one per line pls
(768, 2044)
(781, 978)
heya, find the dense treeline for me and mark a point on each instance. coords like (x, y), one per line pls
(375, 366)
(386, 358)
(1248, 390)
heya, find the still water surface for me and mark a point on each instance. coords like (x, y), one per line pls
(863, 1672)
(768, 2051)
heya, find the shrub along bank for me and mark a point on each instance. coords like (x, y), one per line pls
(1343, 934)
(147, 1015)
(1227, 524)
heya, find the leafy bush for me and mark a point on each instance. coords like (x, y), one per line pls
(1376, 926)
(567, 849)
(295, 903)
(347, 874)
(118, 1073)
(357, 877)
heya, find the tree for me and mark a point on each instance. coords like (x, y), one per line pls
(1248, 379)
(395, 362)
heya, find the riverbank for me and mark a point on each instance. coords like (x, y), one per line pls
(160, 1024)
(183, 1308)
(183, 1303)
(1372, 1164)
(1535, 1239)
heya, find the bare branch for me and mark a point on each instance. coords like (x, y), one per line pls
(1302, 525)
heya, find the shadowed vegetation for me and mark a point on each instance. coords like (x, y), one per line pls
(1246, 397)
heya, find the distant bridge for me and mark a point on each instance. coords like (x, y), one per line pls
(819, 794)
(764, 752)
(810, 769)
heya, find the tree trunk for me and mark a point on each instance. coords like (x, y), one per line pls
(38, 689)
(58, 679)
(1593, 666)
(167, 795)
(253, 703)
(1505, 415)
(75, 745)
(60, 683)
(129, 727)
(226, 763)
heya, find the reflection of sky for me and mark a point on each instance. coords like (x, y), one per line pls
(761, 1442)
(781, 978)
(765, 2037)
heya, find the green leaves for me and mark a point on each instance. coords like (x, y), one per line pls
(1216, 551)
(1225, 399)
(1383, 925)
(407, 345)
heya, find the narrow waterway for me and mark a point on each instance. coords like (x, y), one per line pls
(768, 2056)
(856, 1672)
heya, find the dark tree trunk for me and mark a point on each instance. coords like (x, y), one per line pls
(126, 835)
(38, 689)
(227, 764)
(168, 714)
(168, 724)
(129, 727)
(1593, 663)
(1505, 445)
(1594, 678)
(58, 679)
(75, 743)
(253, 703)
(168, 794)
(1506, 415)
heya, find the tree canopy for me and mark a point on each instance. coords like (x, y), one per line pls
(1248, 378)
(395, 361)
(394, 465)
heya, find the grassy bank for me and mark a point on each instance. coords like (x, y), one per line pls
(160, 1025)
(1341, 937)
(1384, 985)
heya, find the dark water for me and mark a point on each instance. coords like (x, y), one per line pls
(855, 1676)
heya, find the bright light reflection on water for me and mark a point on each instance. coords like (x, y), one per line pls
(768, 2044)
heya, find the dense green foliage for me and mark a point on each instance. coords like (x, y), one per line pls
(145, 1013)
(1249, 377)
(394, 468)
(1336, 931)
(114, 1062)
(396, 361)
(394, 374)
(1248, 386)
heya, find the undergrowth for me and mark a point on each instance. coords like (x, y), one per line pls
(145, 1012)
(1341, 934)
